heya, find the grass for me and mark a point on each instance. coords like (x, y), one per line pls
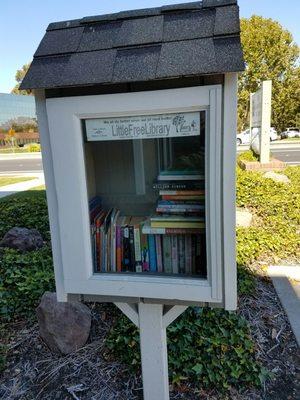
(9, 180)
(41, 187)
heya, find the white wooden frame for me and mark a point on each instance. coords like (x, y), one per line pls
(74, 263)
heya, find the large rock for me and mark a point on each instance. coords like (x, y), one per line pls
(243, 218)
(65, 327)
(22, 239)
(277, 177)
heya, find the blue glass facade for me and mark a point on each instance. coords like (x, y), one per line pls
(14, 106)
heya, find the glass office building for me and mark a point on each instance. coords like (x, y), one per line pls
(14, 106)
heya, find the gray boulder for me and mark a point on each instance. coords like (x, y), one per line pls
(277, 177)
(65, 327)
(243, 218)
(22, 239)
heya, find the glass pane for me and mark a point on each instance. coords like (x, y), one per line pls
(147, 196)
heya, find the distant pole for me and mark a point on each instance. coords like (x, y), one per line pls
(265, 122)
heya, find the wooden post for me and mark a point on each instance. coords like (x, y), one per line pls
(153, 341)
(152, 321)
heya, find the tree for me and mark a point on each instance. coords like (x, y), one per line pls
(270, 53)
(19, 77)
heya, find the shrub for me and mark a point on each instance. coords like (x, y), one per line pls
(34, 147)
(23, 280)
(248, 155)
(210, 348)
(277, 207)
(27, 209)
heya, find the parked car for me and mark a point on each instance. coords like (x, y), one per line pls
(245, 136)
(290, 133)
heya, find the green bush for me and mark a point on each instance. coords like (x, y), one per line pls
(27, 209)
(277, 208)
(24, 277)
(34, 147)
(248, 155)
(210, 348)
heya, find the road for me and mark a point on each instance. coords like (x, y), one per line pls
(289, 156)
(21, 165)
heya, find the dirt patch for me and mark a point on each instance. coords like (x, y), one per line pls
(33, 372)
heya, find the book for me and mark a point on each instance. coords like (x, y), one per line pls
(186, 193)
(164, 210)
(152, 253)
(176, 221)
(183, 197)
(178, 185)
(135, 221)
(159, 259)
(180, 204)
(132, 250)
(145, 252)
(177, 175)
(174, 252)
(167, 254)
(148, 230)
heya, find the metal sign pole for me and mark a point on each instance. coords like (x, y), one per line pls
(152, 320)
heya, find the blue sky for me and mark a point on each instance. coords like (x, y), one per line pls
(23, 23)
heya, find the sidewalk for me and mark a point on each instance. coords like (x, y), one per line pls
(21, 186)
(286, 280)
(15, 156)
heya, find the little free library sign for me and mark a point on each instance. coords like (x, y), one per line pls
(143, 127)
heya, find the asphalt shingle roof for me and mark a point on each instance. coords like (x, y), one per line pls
(139, 45)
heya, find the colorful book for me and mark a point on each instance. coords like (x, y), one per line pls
(177, 224)
(183, 197)
(167, 254)
(145, 252)
(152, 253)
(148, 230)
(178, 185)
(181, 192)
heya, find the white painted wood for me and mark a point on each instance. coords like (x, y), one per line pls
(52, 202)
(171, 313)
(265, 122)
(153, 342)
(130, 310)
(228, 190)
(65, 116)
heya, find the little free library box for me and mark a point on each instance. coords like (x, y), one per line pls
(137, 118)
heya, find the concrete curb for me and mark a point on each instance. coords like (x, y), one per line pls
(16, 156)
(286, 280)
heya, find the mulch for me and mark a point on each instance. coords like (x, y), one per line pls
(34, 372)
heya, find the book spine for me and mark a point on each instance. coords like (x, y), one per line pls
(126, 250)
(167, 256)
(174, 246)
(159, 261)
(152, 255)
(195, 185)
(182, 197)
(113, 248)
(181, 192)
(188, 254)
(118, 248)
(137, 249)
(178, 210)
(98, 248)
(132, 252)
(181, 256)
(145, 253)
